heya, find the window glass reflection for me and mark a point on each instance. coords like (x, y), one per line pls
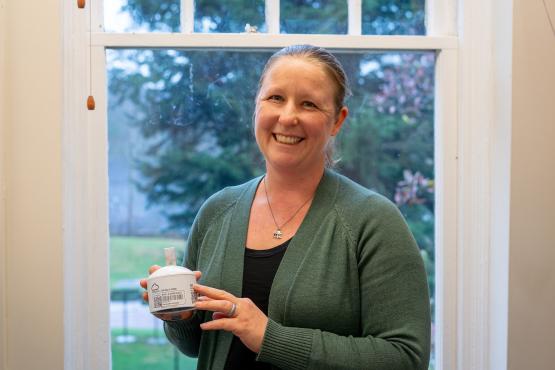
(229, 16)
(313, 16)
(393, 17)
(142, 15)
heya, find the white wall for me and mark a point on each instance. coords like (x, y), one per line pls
(532, 234)
(32, 145)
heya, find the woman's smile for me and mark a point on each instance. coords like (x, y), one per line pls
(286, 139)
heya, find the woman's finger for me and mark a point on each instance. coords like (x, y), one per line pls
(226, 324)
(214, 293)
(145, 296)
(142, 282)
(153, 268)
(215, 306)
(219, 315)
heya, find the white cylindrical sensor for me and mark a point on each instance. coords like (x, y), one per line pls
(170, 288)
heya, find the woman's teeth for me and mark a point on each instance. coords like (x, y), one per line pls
(287, 139)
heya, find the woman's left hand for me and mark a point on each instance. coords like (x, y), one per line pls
(246, 321)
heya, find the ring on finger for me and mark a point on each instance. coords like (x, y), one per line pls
(232, 310)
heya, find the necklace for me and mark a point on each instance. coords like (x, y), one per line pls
(278, 234)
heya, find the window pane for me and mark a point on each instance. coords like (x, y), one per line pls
(386, 144)
(180, 129)
(313, 16)
(393, 17)
(229, 16)
(142, 16)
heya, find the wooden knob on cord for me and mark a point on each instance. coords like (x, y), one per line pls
(90, 103)
(80, 4)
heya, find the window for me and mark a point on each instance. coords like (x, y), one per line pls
(170, 91)
(180, 129)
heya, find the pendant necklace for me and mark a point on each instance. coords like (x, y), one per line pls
(278, 234)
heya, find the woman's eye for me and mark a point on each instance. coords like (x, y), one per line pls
(275, 98)
(309, 104)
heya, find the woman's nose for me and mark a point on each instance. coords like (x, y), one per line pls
(289, 115)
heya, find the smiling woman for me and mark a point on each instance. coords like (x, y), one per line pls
(201, 122)
(258, 292)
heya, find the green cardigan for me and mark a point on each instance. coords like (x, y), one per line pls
(350, 293)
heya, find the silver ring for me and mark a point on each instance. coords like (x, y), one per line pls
(231, 312)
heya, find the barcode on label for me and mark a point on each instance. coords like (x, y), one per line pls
(170, 298)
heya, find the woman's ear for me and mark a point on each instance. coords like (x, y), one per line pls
(343, 113)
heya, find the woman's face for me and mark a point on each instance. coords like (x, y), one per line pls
(295, 114)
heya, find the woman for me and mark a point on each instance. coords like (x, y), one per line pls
(312, 270)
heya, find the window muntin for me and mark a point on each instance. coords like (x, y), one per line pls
(180, 129)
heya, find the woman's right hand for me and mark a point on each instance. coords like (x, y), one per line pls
(174, 316)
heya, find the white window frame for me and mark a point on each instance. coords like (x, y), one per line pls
(464, 113)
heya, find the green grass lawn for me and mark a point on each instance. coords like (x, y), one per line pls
(142, 355)
(130, 257)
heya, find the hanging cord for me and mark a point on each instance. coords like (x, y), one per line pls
(90, 100)
(549, 17)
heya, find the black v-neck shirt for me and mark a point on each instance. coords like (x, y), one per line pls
(259, 270)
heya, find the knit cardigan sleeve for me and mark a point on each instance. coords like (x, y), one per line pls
(395, 314)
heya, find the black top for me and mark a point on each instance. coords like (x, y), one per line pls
(259, 270)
